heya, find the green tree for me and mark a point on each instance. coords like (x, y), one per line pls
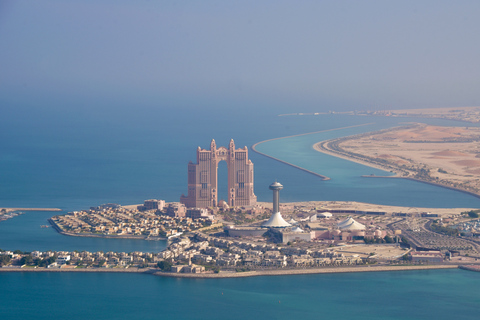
(45, 262)
(389, 239)
(406, 257)
(4, 260)
(165, 265)
(26, 260)
(473, 214)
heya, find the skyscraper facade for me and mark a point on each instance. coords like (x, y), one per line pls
(203, 177)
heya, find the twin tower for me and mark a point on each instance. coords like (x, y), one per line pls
(203, 177)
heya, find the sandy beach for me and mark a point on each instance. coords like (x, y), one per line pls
(319, 146)
(443, 156)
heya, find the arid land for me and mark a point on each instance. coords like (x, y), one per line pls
(447, 156)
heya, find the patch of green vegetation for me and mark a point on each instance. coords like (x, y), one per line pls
(444, 230)
(472, 213)
(165, 265)
(4, 260)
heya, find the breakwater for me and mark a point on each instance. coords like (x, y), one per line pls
(475, 268)
(227, 274)
(283, 272)
(254, 148)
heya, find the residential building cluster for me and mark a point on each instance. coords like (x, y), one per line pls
(73, 259)
(202, 249)
(469, 228)
(153, 219)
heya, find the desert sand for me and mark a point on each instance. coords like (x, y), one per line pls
(448, 156)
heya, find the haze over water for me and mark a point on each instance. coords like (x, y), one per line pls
(107, 101)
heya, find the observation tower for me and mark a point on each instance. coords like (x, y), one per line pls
(276, 220)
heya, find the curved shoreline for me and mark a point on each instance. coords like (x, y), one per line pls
(325, 178)
(92, 235)
(320, 147)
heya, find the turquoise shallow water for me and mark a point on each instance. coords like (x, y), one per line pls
(437, 294)
(73, 162)
(347, 183)
(24, 232)
(75, 173)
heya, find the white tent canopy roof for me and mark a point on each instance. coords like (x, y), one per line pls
(350, 224)
(292, 221)
(276, 221)
(297, 229)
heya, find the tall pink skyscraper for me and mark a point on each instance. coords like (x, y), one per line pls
(203, 182)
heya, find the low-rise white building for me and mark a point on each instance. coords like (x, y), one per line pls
(63, 259)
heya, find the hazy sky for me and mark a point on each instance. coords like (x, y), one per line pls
(295, 55)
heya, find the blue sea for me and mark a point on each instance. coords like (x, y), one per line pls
(442, 294)
(77, 159)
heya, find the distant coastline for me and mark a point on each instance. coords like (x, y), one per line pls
(323, 147)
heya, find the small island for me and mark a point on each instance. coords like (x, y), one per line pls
(8, 213)
(328, 236)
